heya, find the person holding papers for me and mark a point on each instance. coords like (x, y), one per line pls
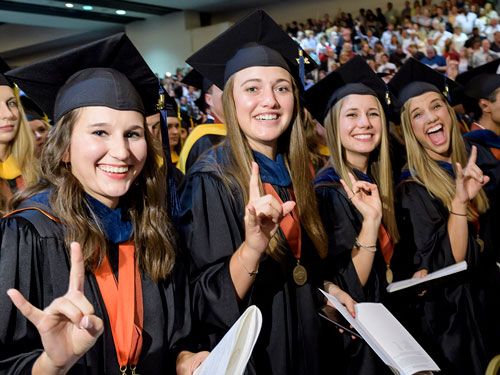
(438, 200)
(355, 192)
(89, 280)
(248, 210)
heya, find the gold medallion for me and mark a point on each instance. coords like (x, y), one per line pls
(299, 274)
(388, 274)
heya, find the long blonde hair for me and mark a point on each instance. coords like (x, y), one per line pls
(293, 145)
(23, 147)
(427, 171)
(152, 233)
(380, 169)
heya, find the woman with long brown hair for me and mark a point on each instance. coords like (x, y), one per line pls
(18, 164)
(252, 201)
(101, 198)
(438, 200)
(355, 192)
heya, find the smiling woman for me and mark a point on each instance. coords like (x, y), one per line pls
(251, 200)
(18, 166)
(354, 192)
(89, 249)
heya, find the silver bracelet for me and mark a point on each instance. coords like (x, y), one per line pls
(371, 249)
(251, 273)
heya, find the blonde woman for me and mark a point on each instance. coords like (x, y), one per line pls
(355, 192)
(18, 164)
(439, 198)
(249, 212)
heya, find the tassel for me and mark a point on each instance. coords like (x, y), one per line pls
(302, 69)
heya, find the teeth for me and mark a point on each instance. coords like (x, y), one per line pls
(363, 136)
(110, 169)
(435, 129)
(266, 117)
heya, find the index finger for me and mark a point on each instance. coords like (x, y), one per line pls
(77, 272)
(254, 192)
(473, 156)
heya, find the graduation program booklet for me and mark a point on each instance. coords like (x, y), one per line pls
(388, 338)
(446, 271)
(232, 353)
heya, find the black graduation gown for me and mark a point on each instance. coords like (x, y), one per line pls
(451, 321)
(213, 229)
(203, 144)
(34, 260)
(490, 165)
(342, 222)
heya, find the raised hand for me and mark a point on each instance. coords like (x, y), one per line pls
(365, 197)
(68, 327)
(470, 180)
(263, 215)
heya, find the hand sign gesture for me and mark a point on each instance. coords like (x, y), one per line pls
(469, 180)
(365, 197)
(263, 215)
(68, 327)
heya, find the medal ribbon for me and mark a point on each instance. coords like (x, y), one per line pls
(123, 301)
(290, 225)
(386, 244)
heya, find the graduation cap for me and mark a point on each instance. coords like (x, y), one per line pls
(480, 82)
(31, 109)
(196, 79)
(4, 67)
(415, 78)
(109, 72)
(354, 77)
(254, 41)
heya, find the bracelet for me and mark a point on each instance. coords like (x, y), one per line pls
(371, 249)
(454, 213)
(251, 273)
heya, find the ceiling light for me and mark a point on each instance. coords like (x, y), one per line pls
(87, 7)
(121, 12)
(69, 5)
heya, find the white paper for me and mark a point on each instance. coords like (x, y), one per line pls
(454, 268)
(232, 353)
(387, 337)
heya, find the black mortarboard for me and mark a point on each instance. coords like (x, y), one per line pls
(109, 72)
(354, 77)
(480, 82)
(196, 79)
(415, 78)
(4, 67)
(254, 41)
(31, 109)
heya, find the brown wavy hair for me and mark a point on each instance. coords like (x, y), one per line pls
(152, 232)
(293, 145)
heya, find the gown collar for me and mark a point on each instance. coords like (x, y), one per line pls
(446, 166)
(329, 175)
(112, 222)
(273, 172)
(485, 136)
